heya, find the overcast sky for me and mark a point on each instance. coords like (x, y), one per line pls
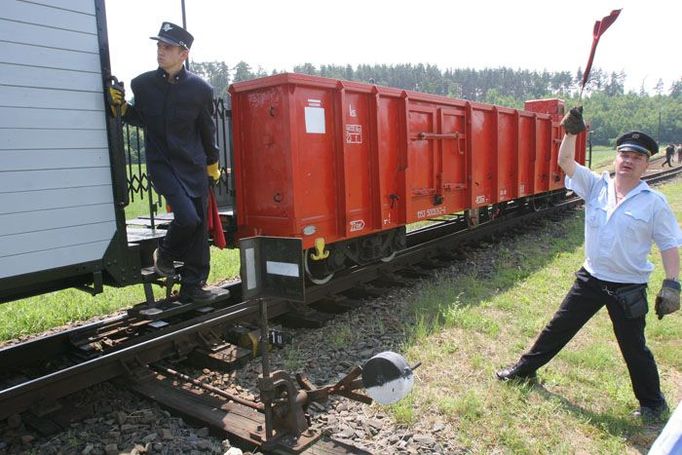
(535, 34)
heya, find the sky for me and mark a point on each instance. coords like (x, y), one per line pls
(644, 42)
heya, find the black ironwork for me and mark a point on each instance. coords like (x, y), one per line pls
(139, 185)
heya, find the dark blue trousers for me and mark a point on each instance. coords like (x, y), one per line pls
(584, 299)
(187, 237)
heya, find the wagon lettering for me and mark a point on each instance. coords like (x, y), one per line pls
(357, 225)
(353, 134)
(433, 211)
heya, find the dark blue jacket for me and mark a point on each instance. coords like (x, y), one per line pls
(179, 131)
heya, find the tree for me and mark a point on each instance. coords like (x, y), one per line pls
(242, 72)
(676, 89)
(216, 73)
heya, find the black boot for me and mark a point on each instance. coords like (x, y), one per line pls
(162, 265)
(652, 414)
(518, 372)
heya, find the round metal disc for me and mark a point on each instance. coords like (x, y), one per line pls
(387, 377)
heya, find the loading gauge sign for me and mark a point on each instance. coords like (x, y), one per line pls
(272, 267)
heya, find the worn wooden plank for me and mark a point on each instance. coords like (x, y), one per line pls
(39, 35)
(44, 57)
(31, 139)
(29, 201)
(12, 245)
(51, 99)
(19, 160)
(17, 223)
(81, 6)
(328, 446)
(236, 419)
(88, 179)
(58, 257)
(52, 17)
(59, 79)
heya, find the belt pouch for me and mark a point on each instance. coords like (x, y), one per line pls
(632, 299)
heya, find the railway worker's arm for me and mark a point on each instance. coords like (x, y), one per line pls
(119, 106)
(668, 238)
(573, 124)
(207, 130)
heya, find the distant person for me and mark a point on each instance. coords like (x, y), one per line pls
(175, 107)
(669, 152)
(678, 149)
(623, 218)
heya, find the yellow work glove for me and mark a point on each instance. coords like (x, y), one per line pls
(117, 99)
(213, 171)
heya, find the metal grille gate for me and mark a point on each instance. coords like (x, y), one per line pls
(138, 183)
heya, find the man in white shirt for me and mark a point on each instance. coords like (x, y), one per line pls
(623, 218)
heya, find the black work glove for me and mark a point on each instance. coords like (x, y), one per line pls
(668, 298)
(573, 121)
(117, 98)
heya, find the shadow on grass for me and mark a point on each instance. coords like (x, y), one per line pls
(619, 426)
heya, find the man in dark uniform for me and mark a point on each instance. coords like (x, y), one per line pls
(669, 153)
(623, 218)
(175, 107)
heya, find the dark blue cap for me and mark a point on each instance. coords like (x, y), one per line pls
(175, 35)
(636, 141)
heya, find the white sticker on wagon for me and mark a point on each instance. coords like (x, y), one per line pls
(357, 225)
(281, 268)
(314, 120)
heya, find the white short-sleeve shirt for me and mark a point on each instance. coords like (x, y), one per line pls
(618, 239)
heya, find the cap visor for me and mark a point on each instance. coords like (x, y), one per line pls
(165, 40)
(633, 148)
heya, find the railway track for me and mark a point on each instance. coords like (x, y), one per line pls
(44, 370)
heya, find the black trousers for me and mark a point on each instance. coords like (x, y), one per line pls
(187, 237)
(584, 299)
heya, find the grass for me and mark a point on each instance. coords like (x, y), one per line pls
(139, 203)
(44, 312)
(468, 324)
(602, 157)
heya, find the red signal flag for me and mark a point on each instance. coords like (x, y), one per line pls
(599, 29)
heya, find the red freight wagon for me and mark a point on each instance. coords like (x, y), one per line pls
(331, 161)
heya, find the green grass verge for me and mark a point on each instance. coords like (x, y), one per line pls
(43, 312)
(468, 325)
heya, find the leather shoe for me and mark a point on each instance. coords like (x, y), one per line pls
(516, 373)
(652, 414)
(162, 265)
(197, 294)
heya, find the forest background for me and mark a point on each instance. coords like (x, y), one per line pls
(609, 109)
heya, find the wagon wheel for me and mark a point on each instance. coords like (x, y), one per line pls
(316, 271)
(390, 257)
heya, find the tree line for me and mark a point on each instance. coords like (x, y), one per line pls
(609, 109)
